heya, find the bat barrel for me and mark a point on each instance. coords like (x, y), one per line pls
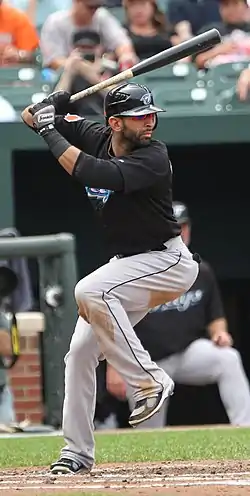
(187, 48)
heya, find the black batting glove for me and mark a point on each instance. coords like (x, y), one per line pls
(43, 119)
(61, 101)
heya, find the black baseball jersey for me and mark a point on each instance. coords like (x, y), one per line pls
(136, 204)
(171, 327)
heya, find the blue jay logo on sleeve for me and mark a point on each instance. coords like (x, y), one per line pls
(98, 194)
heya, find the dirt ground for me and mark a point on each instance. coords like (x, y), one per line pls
(173, 479)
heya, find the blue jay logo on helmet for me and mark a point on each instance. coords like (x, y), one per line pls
(146, 99)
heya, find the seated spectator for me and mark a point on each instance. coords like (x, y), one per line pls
(91, 30)
(38, 10)
(188, 16)
(243, 85)
(235, 31)
(18, 37)
(147, 27)
(82, 72)
(7, 414)
(60, 27)
(189, 339)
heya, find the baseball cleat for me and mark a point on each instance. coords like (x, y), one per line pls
(65, 466)
(146, 408)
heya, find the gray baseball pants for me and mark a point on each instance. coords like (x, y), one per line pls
(111, 301)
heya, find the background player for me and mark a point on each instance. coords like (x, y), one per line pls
(189, 339)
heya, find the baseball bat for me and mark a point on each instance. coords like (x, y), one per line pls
(187, 48)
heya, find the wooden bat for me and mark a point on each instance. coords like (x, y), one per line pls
(187, 48)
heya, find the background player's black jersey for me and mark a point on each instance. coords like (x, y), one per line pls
(138, 216)
(171, 327)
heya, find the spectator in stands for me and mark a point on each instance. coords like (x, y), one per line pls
(38, 10)
(79, 70)
(188, 16)
(243, 84)
(147, 27)
(189, 339)
(7, 414)
(57, 33)
(92, 30)
(18, 37)
(235, 30)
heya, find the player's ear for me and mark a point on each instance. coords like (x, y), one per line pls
(115, 123)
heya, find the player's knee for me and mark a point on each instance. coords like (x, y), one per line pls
(86, 298)
(230, 358)
(85, 290)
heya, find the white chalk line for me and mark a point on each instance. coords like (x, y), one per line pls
(101, 480)
(125, 475)
(134, 486)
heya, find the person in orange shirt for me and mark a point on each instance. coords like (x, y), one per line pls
(18, 37)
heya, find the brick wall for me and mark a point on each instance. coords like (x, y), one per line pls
(26, 381)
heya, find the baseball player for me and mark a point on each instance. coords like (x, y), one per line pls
(189, 339)
(150, 264)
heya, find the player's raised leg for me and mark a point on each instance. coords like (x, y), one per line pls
(107, 298)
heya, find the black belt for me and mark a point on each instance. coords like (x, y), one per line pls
(161, 247)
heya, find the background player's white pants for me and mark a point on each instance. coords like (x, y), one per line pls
(205, 363)
(112, 300)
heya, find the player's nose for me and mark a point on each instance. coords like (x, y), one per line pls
(149, 120)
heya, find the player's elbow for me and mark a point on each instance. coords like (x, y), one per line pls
(98, 173)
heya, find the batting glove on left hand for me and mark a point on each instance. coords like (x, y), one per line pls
(43, 119)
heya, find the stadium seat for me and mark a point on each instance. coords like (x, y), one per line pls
(22, 86)
(184, 100)
(119, 13)
(228, 101)
(224, 76)
(178, 74)
(22, 97)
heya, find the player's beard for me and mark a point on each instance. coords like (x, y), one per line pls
(134, 139)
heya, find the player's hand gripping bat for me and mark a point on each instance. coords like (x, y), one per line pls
(187, 48)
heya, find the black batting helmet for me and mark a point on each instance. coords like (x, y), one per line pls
(181, 212)
(129, 100)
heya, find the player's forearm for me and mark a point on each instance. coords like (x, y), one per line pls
(90, 171)
(218, 325)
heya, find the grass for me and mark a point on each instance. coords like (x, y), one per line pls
(210, 444)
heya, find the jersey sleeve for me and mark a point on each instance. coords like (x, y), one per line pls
(214, 308)
(139, 170)
(144, 167)
(79, 132)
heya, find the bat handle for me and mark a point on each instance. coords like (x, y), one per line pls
(118, 78)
